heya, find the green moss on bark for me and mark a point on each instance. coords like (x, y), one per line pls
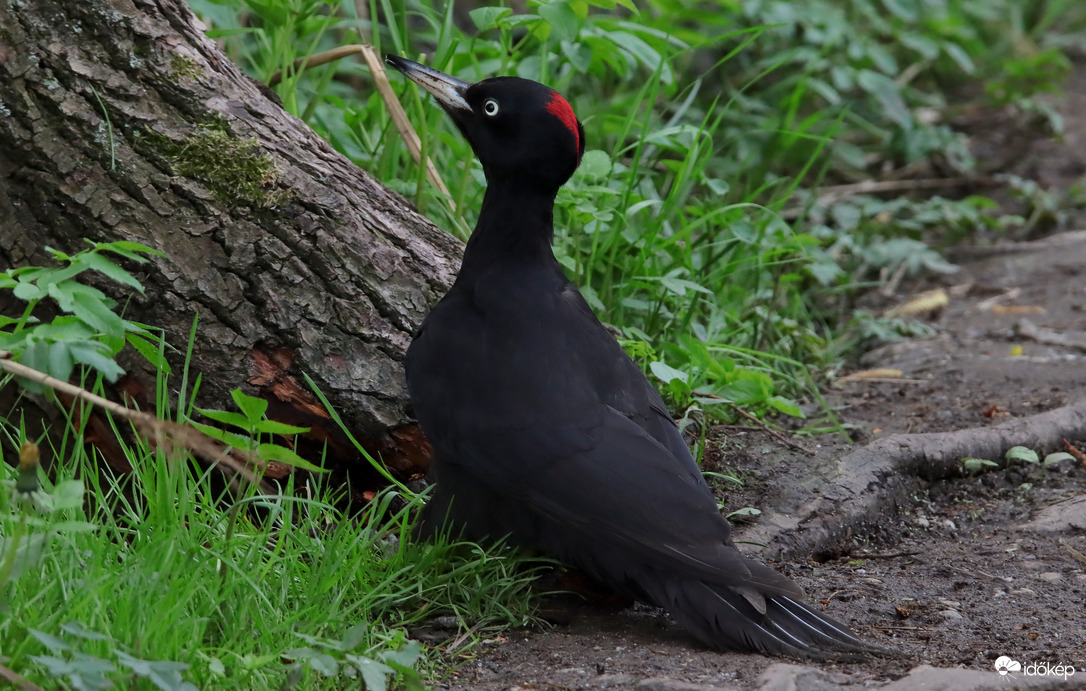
(237, 171)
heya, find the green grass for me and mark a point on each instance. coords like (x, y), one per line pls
(253, 591)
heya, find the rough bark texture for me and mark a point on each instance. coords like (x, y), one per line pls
(115, 116)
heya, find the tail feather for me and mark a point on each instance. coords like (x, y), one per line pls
(747, 607)
(723, 617)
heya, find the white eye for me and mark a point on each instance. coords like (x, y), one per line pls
(490, 107)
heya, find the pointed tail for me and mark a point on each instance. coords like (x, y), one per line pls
(746, 618)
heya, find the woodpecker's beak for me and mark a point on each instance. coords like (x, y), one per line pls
(449, 91)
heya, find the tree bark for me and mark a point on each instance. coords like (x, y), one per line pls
(120, 120)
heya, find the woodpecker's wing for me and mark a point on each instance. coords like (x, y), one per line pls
(560, 419)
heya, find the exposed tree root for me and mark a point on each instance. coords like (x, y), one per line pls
(870, 483)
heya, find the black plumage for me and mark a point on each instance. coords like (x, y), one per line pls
(543, 429)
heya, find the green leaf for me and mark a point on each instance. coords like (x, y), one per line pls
(846, 216)
(904, 11)
(977, 464)
(15, 342)
(128, 250)
(252, 407)
(579, 55)
(324, 664)
(785, 405)
(746, 512)
(60, 361)
(276, 427)
(57, 254)
(882, 59)
(94, 311)
(595, 164)
(643, 52)
(486, 18)
(150, 352)
(958, 55)
(28, 292)
(667, 373)
(514, 21)
(745, 232)
(825, 272)
(749, 386)
(237, 441)
(164, 674)
(108, 268)
(90, 353)
(36, 357)
(679, 286)
(717, 186)
(1022, 453)
(26, 553)
(563, 20)
(887, 93)
(406, 656)
(53, 643)
(354, 636)
(228, 417)
(1055, 458)
(68, 494)
(281, 454)
(374, 674)
(79, 629)
(65, 328)
(50, 276)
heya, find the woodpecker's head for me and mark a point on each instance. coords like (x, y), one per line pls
(519, 129)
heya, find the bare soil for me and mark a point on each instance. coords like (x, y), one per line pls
(959, 571)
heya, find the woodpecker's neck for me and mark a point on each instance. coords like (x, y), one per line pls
(516, 226)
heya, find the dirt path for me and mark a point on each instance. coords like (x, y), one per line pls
(955, 569)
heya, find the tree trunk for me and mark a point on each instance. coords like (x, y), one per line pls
(120, 120)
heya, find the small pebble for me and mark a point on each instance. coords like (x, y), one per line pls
(950, 614)
(1050, 576)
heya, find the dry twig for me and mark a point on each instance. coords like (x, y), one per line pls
(302, 64)
(1079, 556)
(17, 680)
(395, 110)
(160, 432)
(772, 432)
(883, 555)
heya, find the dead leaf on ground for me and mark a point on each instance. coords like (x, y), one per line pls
(923, 303)
(1018, 309)
(1074, 451)
(879, 374)
(994, 411)
(1004, 296)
